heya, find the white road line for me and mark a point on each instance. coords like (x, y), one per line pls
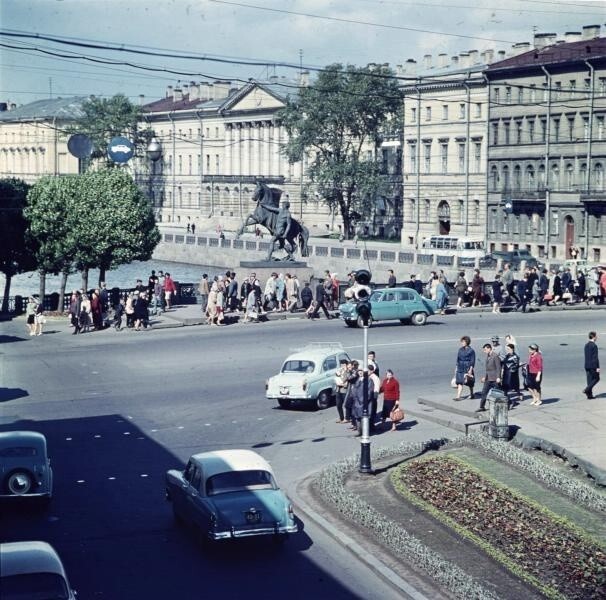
(180, 427)
(127, 433)
(80, 481)
(144, 475)
(97, 436)
(112, 478)
(68, 439)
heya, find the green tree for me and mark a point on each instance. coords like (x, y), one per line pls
(337, 124)
(114, 221)
(105, 118)
(49, 203)
(15, 256)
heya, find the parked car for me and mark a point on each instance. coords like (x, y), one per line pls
(32, 570)
(24, 465)
(404, 304)
(307, 376)
(515, 258)
(230, 494)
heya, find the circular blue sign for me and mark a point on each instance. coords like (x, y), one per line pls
(120, 149)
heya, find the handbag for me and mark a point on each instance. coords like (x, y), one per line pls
(396, 415)
(470, 380)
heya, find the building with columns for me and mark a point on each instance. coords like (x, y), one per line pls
(217, 141)
(32, 138)
(547, 147)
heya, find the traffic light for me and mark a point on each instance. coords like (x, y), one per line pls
(362, 295)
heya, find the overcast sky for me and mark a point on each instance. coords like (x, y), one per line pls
(356, 32)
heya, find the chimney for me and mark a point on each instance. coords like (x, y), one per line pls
(221, 88)
(541, 40)
(474, 57)
(177, 94)
(141, 99)
(204, 91)
(520, 48)
(488, 56)
(442, 60)
(194, 91)
(591, 32)
(400, 71)
(304, 78)
(169, 91)
(185, 88)
(501, 55)
(410, 67)
(427, 61)
(454, 62)
(464, 60)
(573, 36)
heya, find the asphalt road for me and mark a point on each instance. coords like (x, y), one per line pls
(119, 409)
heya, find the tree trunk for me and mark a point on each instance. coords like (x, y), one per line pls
(62, 287)
(7, 290)
(85, 279)
(42, 289)
(101, 275)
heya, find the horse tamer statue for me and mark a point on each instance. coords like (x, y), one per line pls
(275, 216)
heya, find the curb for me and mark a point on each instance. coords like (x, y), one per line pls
(375, 565)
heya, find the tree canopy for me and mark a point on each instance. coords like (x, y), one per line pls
(105, 118)
(337, 123)
(15, 255)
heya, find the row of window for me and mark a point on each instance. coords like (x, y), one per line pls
(532, 179)
(457, 216)
(534, 224)
(428, 164)
(561, 90)
(570, 128)
(446, 108)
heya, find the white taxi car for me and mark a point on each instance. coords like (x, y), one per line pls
(307, 376)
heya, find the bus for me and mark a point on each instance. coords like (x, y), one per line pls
(454, 246)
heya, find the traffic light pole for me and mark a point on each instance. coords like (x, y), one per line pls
(365, 464)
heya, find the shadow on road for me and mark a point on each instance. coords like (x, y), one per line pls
(114, 530)
(7, 394)
(9, 339)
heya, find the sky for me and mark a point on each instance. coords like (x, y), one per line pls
(281, 33)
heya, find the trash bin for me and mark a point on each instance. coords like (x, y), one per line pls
(498, 417)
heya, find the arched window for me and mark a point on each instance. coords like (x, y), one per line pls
(530, 180)
(517, 178)
(412, 216)
(494, 178)
(554, 182)
(427, 210)
(569, 177)
(506, 181)
(598, 176)
(583, 176)
(476, 217)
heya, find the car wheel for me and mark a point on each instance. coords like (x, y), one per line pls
(350, 323)
(360, 322)
(323, 400)
(19, 483)
(284, 403)
(419, 318)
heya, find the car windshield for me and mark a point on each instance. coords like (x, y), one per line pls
(34, 586)
(298, 366)
(239, 481)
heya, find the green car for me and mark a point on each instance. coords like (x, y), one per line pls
(389, 304)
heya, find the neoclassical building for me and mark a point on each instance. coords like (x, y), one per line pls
(217, 141)
(547, 147)
(32, 138)
(445, 147)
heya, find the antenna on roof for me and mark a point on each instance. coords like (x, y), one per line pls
(300, 61)
(50, 88)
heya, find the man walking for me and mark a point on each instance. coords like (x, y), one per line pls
(320, 301)
(493, 374)
(592, 364)
(204, 290)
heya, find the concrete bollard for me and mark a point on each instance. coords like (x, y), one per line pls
(498, 416)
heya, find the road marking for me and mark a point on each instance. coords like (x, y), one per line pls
(80, 481)
(153, 430)
(97, 436)
(127, 433)
(180, 427)
(206, 424)
(112, 478)
(68, 439)
(95, 372)
(144, 475)
(518, 337)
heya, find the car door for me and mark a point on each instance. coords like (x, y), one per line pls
(380, 308)
(406, 304)
(329, 368)
(387, 307)
(196, 509)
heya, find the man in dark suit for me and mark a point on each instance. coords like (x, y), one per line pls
(592, 364)
(320, 301)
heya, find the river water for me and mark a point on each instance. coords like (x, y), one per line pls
(125, 276)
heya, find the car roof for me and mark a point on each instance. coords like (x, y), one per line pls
(10, 438)
(20, 558)
(220, 461)
(396, 289)
(317, 351)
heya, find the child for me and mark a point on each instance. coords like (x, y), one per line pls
(84, 320)
(311, 309)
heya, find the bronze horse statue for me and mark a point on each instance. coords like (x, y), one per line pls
(269, 214)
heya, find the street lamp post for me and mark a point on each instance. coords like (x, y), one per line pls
(154, 153)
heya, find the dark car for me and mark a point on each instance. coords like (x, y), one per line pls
(515, 258)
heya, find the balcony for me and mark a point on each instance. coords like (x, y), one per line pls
(521, 195)
(593, 196)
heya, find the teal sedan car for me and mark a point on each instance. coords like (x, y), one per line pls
(403, 304)
(228, 494)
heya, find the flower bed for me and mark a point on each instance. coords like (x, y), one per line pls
(537, 545)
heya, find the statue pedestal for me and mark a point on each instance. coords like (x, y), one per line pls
(264, 268)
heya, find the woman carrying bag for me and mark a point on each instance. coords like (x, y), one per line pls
(390, 388)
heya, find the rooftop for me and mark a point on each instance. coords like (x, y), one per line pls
(60, 108)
